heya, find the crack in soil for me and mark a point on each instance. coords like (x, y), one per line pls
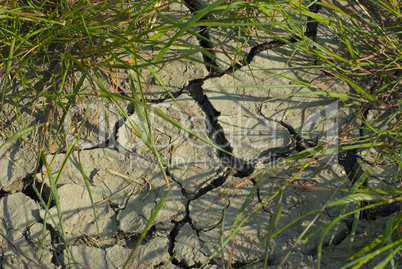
(353, 169)
(220, 180)
(209, 61)
(195, 89)
(216, 133)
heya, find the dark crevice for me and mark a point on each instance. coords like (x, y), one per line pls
(57, 247)
(161, 99)
(131, 239)
(216, 134)
(3, 193)
(172, 241)
(340, 236)
(175, 231)
(29, 191)
(350, 160)
(208, 45)
(350, 163)
(297, 144)
(205, 42)
(381, 211)
(148, 99)
(108, 143)
(215, 131)
(301, 143)
(212, 185)
(115, 207)
(113, 139)
(25, 186)
(178, 224)
(99, 146)
(311, 32)
(28, 188)
(26, 233)
(253, 52)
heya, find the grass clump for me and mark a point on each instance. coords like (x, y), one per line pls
(58, 54)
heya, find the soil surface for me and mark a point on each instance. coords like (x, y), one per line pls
(247, 110)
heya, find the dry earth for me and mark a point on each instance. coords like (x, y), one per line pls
(239, 110)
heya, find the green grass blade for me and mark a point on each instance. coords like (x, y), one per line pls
(54, 195)
(358, 88)
(272, 226)
(359, 262)
(89, 193)
(147, 227)
(346, 200)
(19, 134)
(200, 14)
(392, 224)
(389, 259)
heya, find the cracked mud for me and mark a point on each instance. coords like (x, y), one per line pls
(236, 110)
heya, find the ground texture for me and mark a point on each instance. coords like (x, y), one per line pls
(242, 110)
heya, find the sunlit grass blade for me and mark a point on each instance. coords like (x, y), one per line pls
(89, 193)
(359, 262)
(272, 226)
(200, 14)
(359, 89)
(19, 134)
(55, 197)
(353, 198)
(147, 227)
(392, 224)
